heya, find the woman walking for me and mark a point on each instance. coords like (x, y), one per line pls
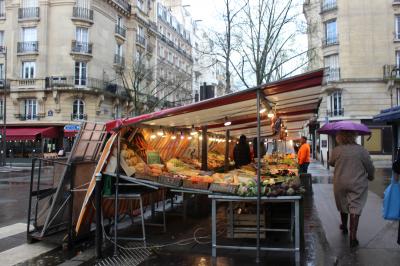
(353, 169)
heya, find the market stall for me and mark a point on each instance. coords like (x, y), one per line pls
(189, 148)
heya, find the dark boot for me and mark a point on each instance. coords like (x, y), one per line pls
(343, 226)
(353, 230)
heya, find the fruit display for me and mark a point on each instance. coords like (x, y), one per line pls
(131, 162)
(288, 186)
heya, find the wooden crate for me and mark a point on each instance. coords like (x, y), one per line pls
(195, 185)
(171, 181)
(224, 188)
(241, 221)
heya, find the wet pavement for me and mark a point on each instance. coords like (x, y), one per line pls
(323, 243)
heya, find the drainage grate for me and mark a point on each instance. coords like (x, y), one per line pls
(133, 254)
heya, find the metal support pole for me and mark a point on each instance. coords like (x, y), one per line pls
(214, 228)
(204, 149)
(71, 232)
(258, 174)
(116, 196)
(99, 233)
(226, 168)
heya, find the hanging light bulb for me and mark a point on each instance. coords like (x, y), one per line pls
(230, 141)
(190, 137)
(250, 143)
(263, 111)
(227, 122)
(152, 136)
(271, 114)
(286, 131)
(200, 137)
(173, 136)
(193, 132)
(182, 136)
(160, 132)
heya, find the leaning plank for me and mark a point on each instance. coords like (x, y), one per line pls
(99, 168)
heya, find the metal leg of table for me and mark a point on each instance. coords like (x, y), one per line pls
(297, 230)
(163, 211)
(142, 220)
(231, 219)
(153, 209)
(214, 227)
(184, 202)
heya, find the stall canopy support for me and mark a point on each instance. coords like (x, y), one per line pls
(204, 148)
(226, 166)
(258, 174)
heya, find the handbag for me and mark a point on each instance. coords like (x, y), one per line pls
(391, 201)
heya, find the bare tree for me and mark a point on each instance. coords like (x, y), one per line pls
(151, 85)
(267, 30)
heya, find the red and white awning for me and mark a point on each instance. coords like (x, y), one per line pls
(295, 101)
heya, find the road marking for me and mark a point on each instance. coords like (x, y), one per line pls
(24, 252)
(11, 230)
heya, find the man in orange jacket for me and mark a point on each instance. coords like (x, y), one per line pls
(303, 156)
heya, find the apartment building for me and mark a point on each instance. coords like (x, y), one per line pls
(174, 56)
(357, 42)
(67, 62)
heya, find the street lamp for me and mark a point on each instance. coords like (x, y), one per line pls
(3, 153)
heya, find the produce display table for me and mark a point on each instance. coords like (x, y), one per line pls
(295, 200)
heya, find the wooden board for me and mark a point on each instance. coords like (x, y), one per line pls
(99, 168)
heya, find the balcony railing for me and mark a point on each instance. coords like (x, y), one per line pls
(89, 83)
(119, 60)
(328, 5)
(81, 47)
(332, 40)
(124, 4)
(27, 47)
(332, 74)
(82, 13)
(391, 72)
(120, 30)
(141, 40)
(25, 117)
(28, 13)
(334, 113)
(75, 116)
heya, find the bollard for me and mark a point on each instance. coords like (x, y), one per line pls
(99, 232)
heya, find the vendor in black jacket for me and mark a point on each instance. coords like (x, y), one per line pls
(241, 152)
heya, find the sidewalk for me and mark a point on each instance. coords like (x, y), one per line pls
(377, 236)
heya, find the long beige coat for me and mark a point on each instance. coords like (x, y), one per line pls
(353, 169)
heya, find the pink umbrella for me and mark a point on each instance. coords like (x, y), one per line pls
(335, 127)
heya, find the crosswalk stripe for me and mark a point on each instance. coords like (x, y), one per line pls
(24, 252)
(13, 229)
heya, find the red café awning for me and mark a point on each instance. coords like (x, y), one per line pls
(30, 133)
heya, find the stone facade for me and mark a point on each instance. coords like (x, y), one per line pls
(353, 41)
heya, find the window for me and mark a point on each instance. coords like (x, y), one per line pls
(118, 50)
(117, 112)
(30, 109)
(331, 32)
(120, 21)
(29, 3)
(2, 8)
(336, 104)
(80, 73)
(331, 64)
(1, 109)
(82, 35)
(28, 70)
(29, 34)
(140, 31)
(1, 38)
(170, 57)
(398, 95)
(83, 3)
(1, 72)
(397, 26)
(78, 110)
(140, 4)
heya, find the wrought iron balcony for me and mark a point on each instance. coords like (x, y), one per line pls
(391, 72)
(335, 112)
(81, 47)
(29, 13)
(82, 13)
(27, 47)
(332, 74)
(120, 30)
(328, 5)
(25, 117)
(331, 40)
(119, 60)
(76, 116)
(141, 40)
